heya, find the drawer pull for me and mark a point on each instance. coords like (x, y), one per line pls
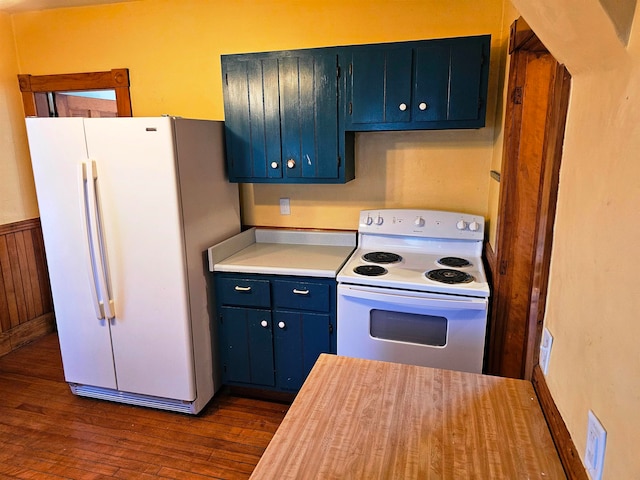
(281, 324)
(300, 292)
(264, 323)
(238, 288)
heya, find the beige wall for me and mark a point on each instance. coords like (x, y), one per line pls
(173, 48)
(17, 192)
(594, 301)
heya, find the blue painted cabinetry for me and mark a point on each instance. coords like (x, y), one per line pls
(281, 118)
(431, 84)
(273, 328)
(290, 116)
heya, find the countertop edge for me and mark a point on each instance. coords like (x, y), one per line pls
(220, 252)
(301, 272)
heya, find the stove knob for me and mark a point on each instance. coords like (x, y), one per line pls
(379, 220)
(474, 226)
(462, 225)
(368, 220)
(419, 222)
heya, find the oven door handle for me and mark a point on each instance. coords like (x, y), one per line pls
(413, 298)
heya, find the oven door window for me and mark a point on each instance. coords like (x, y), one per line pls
(409, 327)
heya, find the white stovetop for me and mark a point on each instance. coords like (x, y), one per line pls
(283, 252)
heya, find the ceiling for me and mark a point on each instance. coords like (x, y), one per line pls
(14, 6)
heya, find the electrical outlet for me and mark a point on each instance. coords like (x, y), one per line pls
(545, 350)
(285, 208)
(594, 452)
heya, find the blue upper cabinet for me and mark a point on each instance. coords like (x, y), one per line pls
(290, 116)
(431, 84)
(251, 105)
(282, 118)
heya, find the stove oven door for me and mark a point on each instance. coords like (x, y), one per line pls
(415, 328)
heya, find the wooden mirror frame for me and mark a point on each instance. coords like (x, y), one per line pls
(117, 79)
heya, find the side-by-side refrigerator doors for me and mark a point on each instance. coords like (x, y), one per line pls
(58, 152)
(137, 183)
(135, 218)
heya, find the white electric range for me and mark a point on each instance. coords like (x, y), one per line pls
(414, 291)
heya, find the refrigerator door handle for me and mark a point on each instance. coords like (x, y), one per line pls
(103, 265)
(90, 251)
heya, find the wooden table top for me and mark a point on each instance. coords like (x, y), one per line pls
(363, 419)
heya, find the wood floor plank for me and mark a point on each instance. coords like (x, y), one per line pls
(47, 432)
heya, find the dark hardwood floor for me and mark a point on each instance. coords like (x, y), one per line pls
(47, 432)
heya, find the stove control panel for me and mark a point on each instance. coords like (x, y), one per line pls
(422, 223)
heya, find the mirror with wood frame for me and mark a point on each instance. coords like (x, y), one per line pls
(90, 94)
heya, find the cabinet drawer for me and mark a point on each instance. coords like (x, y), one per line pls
(301, 295)
(247, 292)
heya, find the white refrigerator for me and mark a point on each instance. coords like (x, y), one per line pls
(128, 207)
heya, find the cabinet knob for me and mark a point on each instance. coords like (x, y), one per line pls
(274, 164)
(291, 163)
(301, 292)
(402, 107)
(264, 323)
(423, 106)
(281, 325)
(238, 288)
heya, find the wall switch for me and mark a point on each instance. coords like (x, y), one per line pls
(285, 208)
(594, 453)
(545, 350)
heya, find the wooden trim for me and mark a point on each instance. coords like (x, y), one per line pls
(20, 226)
(25, 292)
(26, 333)
(116, 79)
(573, 467)
(554, 139)
(521, 37)
(534, 127)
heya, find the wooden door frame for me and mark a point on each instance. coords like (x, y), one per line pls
(523, 40)
(117, 79)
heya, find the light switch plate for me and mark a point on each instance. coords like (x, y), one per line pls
(545, 350)
(594, 452)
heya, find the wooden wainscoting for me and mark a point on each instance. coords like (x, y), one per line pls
(567, 451)
(26, 307)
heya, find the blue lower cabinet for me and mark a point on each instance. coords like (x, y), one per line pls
(299, 339)
(272, 329)
(247, 347)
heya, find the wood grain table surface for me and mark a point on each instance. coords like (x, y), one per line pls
(363, 419)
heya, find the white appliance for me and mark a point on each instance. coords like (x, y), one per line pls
(128, 208)
(415, 291)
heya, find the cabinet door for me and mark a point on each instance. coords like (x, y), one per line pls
(252, 122)
(309, 116)
(299, 339)
(247, 346)
(379, 85)
(430, 84)
(448, 77)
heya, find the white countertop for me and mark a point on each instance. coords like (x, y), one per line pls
(283, 252)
